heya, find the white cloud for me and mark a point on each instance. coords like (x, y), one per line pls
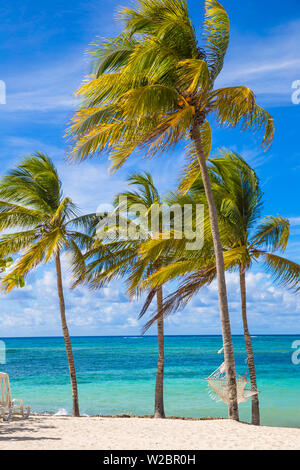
(270, 309)
(295, 220)
(268, 64)
(47, 87)
(108, 311)
(131, 322)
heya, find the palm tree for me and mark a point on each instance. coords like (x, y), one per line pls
(244, 239)
(32, 202)
(112, 256)
(147, 196)
(153, 87)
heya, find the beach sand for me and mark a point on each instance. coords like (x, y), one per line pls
(62, 432)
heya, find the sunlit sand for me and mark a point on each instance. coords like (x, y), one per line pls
(62, 432)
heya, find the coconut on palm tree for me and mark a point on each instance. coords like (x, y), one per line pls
(46, 224)
(152, 88)
(245, 240)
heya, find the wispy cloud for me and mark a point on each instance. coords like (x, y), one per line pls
(295, 220)
(47, 87)
(89, 183)
(108, 311)
(267, 64)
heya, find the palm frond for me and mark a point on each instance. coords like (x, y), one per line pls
(169, 272)
(284, 272)
(14, 242)
(273, 233)
(183, 294)
(32, 199)
(148, 100)
(13, 215)
(216, 34)
(147, 303)
(34, 254)
(193, 76)
(112, 53)
(167, 20)
(236, 257)
(77, 263)
(237, 106)
(34, 183)
(65, 210)
(88, 222)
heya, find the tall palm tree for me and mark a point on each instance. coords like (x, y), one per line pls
(113, 256)
(32, 202)
(147, 196)
(153, 87)
(244, 240)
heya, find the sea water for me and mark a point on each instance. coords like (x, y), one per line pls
(116, 375)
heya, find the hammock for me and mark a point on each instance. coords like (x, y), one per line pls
(219, 385)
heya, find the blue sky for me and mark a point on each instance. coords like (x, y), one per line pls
(44, 56)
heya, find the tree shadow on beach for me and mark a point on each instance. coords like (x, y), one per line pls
(9, 429)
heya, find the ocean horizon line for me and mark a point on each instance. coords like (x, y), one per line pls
(150, 336)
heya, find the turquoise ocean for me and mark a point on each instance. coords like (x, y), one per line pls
(116, 375)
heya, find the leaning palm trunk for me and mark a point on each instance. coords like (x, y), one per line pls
(249, 350)
(67, 336)
(159, 385)
(233, 411)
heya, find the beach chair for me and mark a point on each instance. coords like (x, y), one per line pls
(8, 407)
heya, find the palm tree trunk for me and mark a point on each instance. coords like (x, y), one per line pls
(249, 350)
(67, 336)
(233, 411)
(159, 385)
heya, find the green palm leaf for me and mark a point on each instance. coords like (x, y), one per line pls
(216, 34)
(273, 233)
(283, 271)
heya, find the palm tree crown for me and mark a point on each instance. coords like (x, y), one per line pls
(153, 84)
(31, 201)
(245, 238)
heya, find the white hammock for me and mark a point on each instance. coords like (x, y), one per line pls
(219, 384)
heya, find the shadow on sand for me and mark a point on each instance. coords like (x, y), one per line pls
(16, 425)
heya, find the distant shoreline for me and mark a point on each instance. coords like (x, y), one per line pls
(128, 416)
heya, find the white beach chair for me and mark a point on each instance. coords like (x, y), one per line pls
(8, 407)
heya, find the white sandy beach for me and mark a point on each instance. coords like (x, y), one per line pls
(62, 432)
